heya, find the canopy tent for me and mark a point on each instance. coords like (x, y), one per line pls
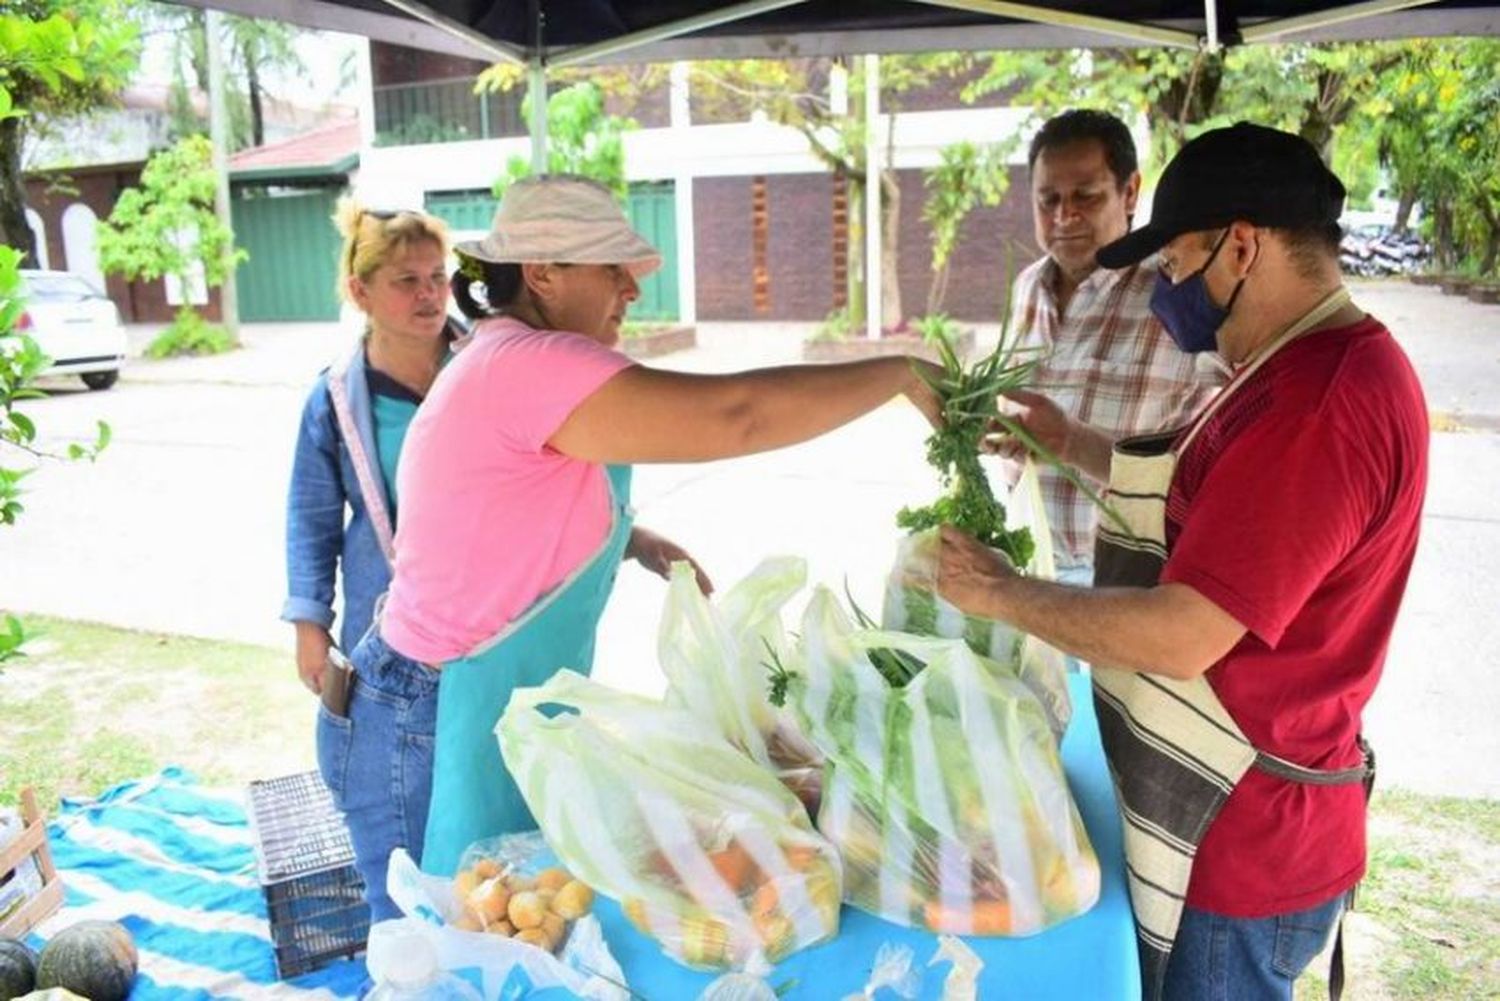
(574, 32)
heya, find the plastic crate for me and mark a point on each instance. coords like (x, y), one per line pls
(315, 899)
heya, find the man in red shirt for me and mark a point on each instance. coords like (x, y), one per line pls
(1248, 577)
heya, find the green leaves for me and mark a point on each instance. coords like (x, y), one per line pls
(167, 225)
(581, 139)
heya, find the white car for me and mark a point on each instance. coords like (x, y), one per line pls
(75, 325)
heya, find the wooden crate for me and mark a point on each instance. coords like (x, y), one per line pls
(32, 842)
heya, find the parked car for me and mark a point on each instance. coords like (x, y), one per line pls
(75, 324)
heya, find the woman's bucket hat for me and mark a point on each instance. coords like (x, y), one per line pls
(565, 219)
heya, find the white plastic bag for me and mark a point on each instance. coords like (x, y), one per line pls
(912, 605)
(705, 850)
(586, 967)
(713, 654)
(946, 797)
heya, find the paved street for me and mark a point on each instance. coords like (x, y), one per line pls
(178, 527)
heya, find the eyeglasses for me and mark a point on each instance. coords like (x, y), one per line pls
(379, 215)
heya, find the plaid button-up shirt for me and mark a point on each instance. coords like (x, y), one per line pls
(1108, 362)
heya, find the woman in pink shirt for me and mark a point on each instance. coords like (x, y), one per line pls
(515, 480)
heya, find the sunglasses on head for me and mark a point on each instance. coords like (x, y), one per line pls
(380, 215)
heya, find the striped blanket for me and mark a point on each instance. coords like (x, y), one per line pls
(173, 861)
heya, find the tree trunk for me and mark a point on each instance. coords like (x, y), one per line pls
(1404, 208)
(252, 84)
(14, 229)
(890, 236)
(1492, 236)
(1442, 235)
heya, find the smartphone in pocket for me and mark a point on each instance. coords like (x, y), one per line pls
(338, 683)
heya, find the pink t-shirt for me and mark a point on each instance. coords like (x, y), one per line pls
(491, 517)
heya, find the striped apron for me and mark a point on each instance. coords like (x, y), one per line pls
(1175, 753)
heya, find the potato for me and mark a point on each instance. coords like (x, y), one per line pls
(486, 868)
(464, 883)
(573, 901)
(502, 927)
(490, 900)
(552, 879)
(556, 930)
(526, 910)
(468, 922)
(534, 936)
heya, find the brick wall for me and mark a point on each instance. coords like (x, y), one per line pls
(800, 250)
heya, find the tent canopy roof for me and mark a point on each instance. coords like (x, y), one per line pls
(579, 32)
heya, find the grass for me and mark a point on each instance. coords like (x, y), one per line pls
(91, 706)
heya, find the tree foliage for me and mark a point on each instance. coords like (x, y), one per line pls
(1427, 110)
(45, 51)
(254, 49)
(581, 139)
(58, 59)
(968, 175)
(1438, 133)
(167, 226)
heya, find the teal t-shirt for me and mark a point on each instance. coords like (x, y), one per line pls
(392, 405)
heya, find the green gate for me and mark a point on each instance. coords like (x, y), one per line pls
(652, 209)
(653, 212)
(293, 246)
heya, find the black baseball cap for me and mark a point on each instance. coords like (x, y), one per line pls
(1245, 172)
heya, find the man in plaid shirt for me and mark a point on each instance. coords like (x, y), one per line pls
(1104, 358)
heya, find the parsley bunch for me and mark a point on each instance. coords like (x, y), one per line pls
(970, 408)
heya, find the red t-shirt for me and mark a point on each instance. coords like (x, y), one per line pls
(1296, 511)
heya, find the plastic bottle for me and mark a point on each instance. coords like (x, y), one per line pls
(409, 971)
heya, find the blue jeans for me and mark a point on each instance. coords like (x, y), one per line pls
(1217, 958)
(377, 762)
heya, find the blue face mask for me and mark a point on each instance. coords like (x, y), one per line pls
(1188, 312)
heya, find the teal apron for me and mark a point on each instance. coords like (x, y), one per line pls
(473, 794)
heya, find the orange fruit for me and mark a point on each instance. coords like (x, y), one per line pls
(735, 866)
(552, 879)
(490, 900)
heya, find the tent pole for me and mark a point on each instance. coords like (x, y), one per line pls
(874, 262)
(1211, 42)
(536, 84)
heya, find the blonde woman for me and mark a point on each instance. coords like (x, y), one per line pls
(341, 514)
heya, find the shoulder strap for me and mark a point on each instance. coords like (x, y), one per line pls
(1329, 305)
(370, 486)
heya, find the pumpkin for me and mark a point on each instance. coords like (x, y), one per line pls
(17, 969)
(94, 958)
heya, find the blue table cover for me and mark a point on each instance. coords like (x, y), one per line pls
(1091, 956)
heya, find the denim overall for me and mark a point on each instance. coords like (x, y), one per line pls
(473, 794)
